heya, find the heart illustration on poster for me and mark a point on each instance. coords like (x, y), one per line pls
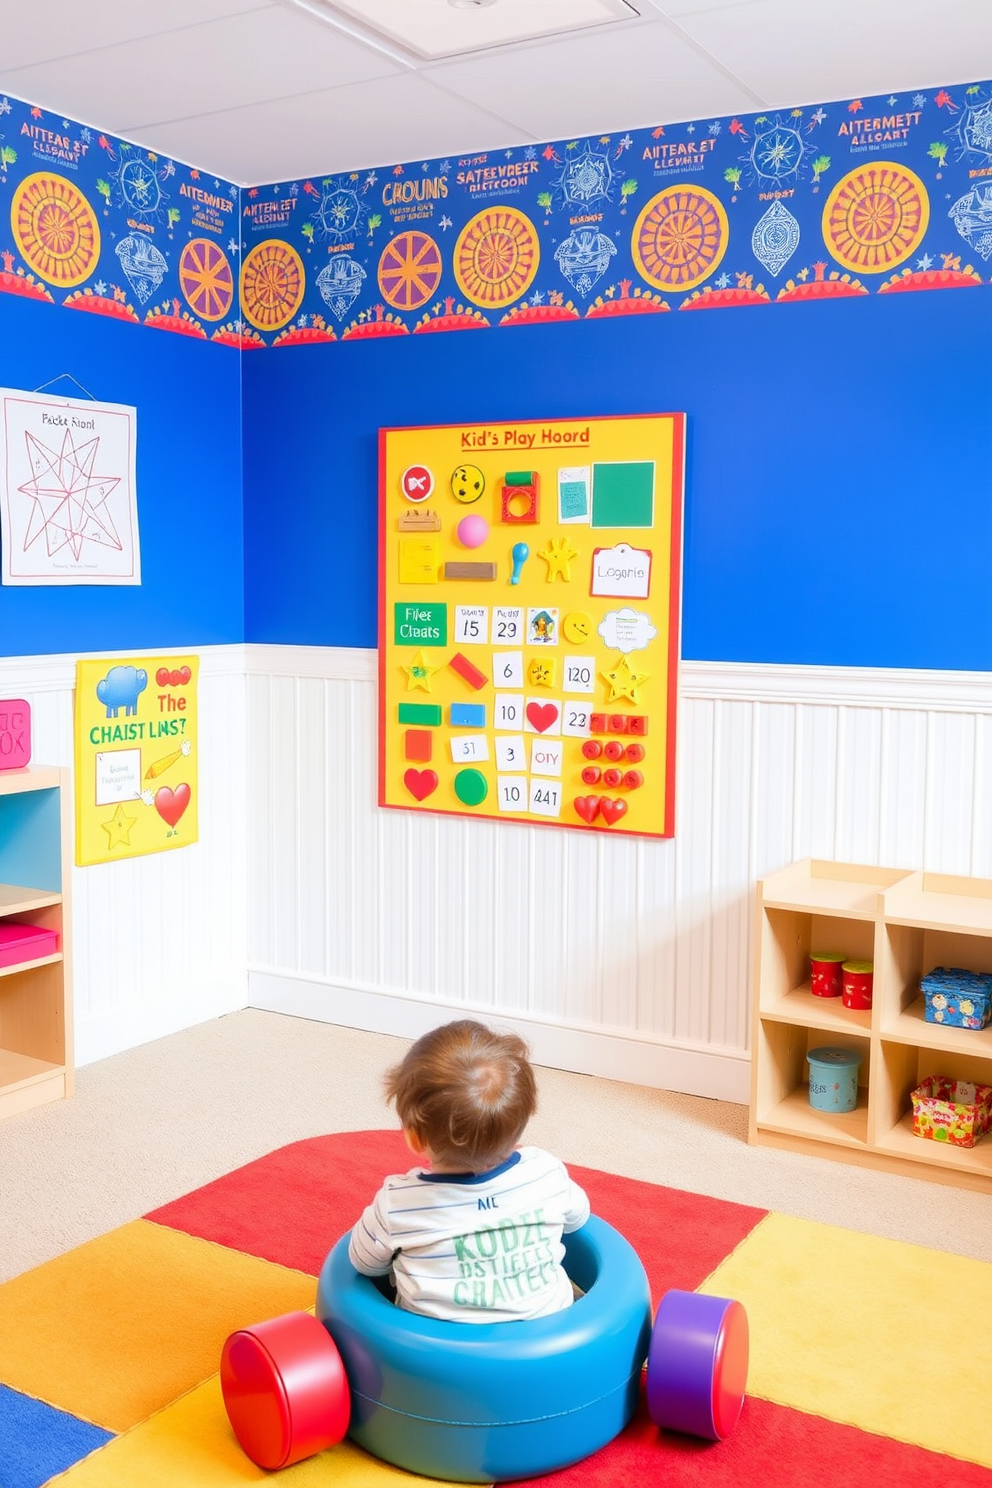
(170, 804)
(542, 716)
(420, 783)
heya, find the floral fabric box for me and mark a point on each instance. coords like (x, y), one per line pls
(952, 1111)
(958, 999)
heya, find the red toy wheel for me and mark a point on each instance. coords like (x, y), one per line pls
(285, 1390)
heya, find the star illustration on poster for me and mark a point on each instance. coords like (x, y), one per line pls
(70, 498)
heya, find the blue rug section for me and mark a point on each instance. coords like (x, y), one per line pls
(37, 1441)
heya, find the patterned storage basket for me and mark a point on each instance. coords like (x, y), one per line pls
(958, 999)
(952, 1111)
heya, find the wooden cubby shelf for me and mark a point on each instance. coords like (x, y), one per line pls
(906, 924)
(35, 996)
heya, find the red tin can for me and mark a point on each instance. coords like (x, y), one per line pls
(858, 977)
(825, 977)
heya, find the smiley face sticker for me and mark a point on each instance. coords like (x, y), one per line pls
(577, 627)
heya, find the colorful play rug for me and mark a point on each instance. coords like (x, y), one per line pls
(870, 1359)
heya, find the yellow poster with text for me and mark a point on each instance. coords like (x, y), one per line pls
(136, 757)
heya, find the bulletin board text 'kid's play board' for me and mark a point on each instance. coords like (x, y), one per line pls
(529, 620)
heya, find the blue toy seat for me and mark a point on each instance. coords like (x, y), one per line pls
(477, 1403)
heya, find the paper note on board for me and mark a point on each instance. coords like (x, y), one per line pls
(622, 571)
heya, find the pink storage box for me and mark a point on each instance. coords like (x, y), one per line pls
(26, 943)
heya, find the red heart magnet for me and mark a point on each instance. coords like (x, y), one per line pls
(588, 808)
(542, 716)
(170, 804)
(420, 783)
(612, 811)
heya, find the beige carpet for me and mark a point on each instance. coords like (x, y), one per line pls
(151, 1124)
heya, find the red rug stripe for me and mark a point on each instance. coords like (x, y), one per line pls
(291, 1206)
(771, 1447)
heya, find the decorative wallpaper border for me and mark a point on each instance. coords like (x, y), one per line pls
(882, 195)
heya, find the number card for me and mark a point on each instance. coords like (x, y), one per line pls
(472, 625)
(580, 674)
(508, 668)
(469, 749)
(546, 756)
(508, 710)
(576, 721)
(512, 792)
(508, 625)
(545, 798)
(510, 754)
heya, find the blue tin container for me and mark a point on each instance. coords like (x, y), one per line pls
(833, 1079)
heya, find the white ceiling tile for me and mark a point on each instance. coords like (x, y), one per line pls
(368, 124)
(432, 28)
(613, 80)
(260, 55)
(45, 31)
(794, 53)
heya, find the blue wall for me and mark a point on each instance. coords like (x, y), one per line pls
(190, 511)
(838, 481)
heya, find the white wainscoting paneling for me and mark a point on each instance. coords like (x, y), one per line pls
(622, 957)
(159, 942)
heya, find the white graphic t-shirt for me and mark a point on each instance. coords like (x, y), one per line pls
(474, 1247)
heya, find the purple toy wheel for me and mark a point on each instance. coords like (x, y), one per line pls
(697, 1364)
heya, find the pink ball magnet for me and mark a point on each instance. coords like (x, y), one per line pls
(472, 531)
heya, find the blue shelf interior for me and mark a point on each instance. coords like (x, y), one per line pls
(31, 840)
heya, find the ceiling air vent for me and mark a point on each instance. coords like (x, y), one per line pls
(429, 30)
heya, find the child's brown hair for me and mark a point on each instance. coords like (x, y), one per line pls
(465, 1092)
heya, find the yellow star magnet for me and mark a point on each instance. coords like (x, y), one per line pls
(118, 828)
(624, 682)
(419, 674)
(557, 555)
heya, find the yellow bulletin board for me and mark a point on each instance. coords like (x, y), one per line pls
(136, 757)
(529, 578)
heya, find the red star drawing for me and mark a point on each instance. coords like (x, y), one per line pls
(69, 500)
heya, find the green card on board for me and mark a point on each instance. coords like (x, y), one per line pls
(623, 493)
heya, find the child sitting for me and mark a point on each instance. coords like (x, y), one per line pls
(475, 1235)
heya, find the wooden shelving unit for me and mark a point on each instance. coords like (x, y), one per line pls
(35, 996)
(906, 923)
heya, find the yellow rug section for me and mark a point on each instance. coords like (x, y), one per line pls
(120, 1327)
(191, 1445)
(874, 1333)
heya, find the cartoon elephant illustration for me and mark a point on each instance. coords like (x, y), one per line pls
(120, 688)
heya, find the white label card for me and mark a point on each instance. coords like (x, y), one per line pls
(545, 798)
(580, 674)
(511, 754)
(508, 669)
(575, 720)
(512, 792)
(622, 570)
(508, 625)
(546, 756)
(508, 711)
(472, 625)
(469, 748)
(118, 776)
